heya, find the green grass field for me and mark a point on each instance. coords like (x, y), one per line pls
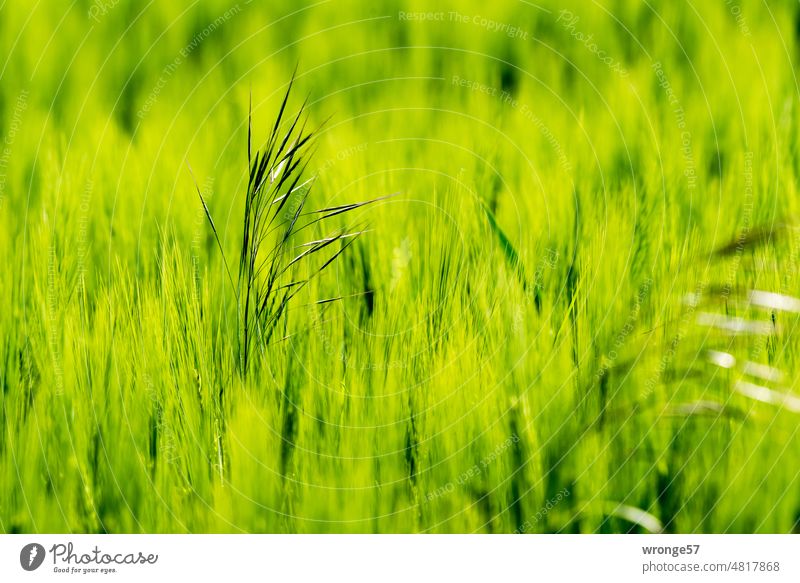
(576, 313)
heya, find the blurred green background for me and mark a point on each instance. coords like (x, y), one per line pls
(524, 359)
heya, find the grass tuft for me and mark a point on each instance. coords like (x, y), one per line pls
(271, 260)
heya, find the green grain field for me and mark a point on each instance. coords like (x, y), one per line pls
(534, 270)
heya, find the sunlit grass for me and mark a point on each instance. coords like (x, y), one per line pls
(551, 327)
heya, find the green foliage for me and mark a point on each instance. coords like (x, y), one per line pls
(551, 328)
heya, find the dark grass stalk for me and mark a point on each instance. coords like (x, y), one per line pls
(275, 213)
